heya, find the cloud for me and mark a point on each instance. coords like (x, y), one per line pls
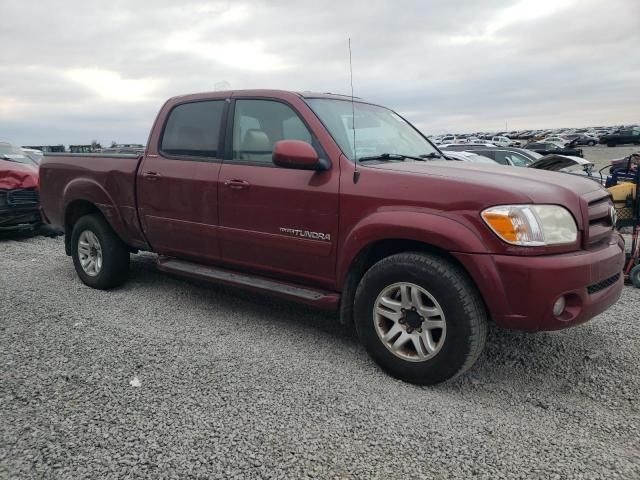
(76, 71)
(109, 85)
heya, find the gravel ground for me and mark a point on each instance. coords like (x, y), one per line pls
(165, 378)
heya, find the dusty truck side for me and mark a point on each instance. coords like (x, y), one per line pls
(267, 190)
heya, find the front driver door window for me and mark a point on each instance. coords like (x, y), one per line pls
(259, 124)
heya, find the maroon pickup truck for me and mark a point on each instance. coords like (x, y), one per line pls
(343, 206)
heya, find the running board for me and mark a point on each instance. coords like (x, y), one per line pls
(319, 298)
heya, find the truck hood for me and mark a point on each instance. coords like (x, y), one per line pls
(17, 175)
(516, 183)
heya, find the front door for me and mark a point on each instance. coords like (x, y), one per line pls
(177, 182)
(277, 220)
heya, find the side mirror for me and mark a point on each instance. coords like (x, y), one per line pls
(297, 154)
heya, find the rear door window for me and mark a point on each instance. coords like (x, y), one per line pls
(193, 129)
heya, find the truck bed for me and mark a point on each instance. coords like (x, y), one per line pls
(106, 180)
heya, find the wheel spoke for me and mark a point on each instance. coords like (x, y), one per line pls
(429, 312)
(393, 316)
(390, 304)
(405, 296)
(400, 341)
(427, 339)
(93, 240)
(416, 299)
(393, 331)
(433, 324)
(83, 247)
(417, 344)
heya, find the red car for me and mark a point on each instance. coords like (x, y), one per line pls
(293, 195)
(19, 202)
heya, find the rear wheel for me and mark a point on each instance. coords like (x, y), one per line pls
(420, 317)
(634, 276)
(100, 258)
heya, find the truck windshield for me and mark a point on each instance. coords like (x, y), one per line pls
(378, 130)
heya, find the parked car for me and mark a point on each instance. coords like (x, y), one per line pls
(16, 154)
(516, 157)
(556, 139)
(33, 154)
(582, 139)
(468, 157)
(19, 201)
(419, 252)
(545, 148)
(457, 147)
(622, 137)
(502, 141)
(566, 164)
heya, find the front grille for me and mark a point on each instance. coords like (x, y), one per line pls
(596, 287)
(600, 221)
(22, 198)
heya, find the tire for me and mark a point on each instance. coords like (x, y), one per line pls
(442, 287)
(112, 269)
(634, 276)
(591, 143)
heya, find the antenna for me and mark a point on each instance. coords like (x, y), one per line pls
(356, 173)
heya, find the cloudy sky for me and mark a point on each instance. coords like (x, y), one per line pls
(76, 70)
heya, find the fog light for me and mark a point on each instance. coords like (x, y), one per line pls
(558, 307)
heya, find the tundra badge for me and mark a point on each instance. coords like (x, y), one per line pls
(306, 234)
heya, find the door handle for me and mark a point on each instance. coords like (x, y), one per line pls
(151, 175)
(237, 184)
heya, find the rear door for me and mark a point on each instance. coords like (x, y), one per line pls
(273, 219)
(177, 181)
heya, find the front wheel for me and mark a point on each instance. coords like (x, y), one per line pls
(100, 258)
(420, 317)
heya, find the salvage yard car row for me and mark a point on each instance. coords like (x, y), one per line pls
(610, 136)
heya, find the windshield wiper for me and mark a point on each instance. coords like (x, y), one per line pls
(391, 156)
(431, 155)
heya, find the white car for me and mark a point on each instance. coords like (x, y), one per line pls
(502, 141)
(469, 157)
(557, 140)
(33, 154)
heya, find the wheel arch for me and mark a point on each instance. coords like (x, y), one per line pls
(84, 196)
(371, 243)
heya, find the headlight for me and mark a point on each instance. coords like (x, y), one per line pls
(532, 225)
